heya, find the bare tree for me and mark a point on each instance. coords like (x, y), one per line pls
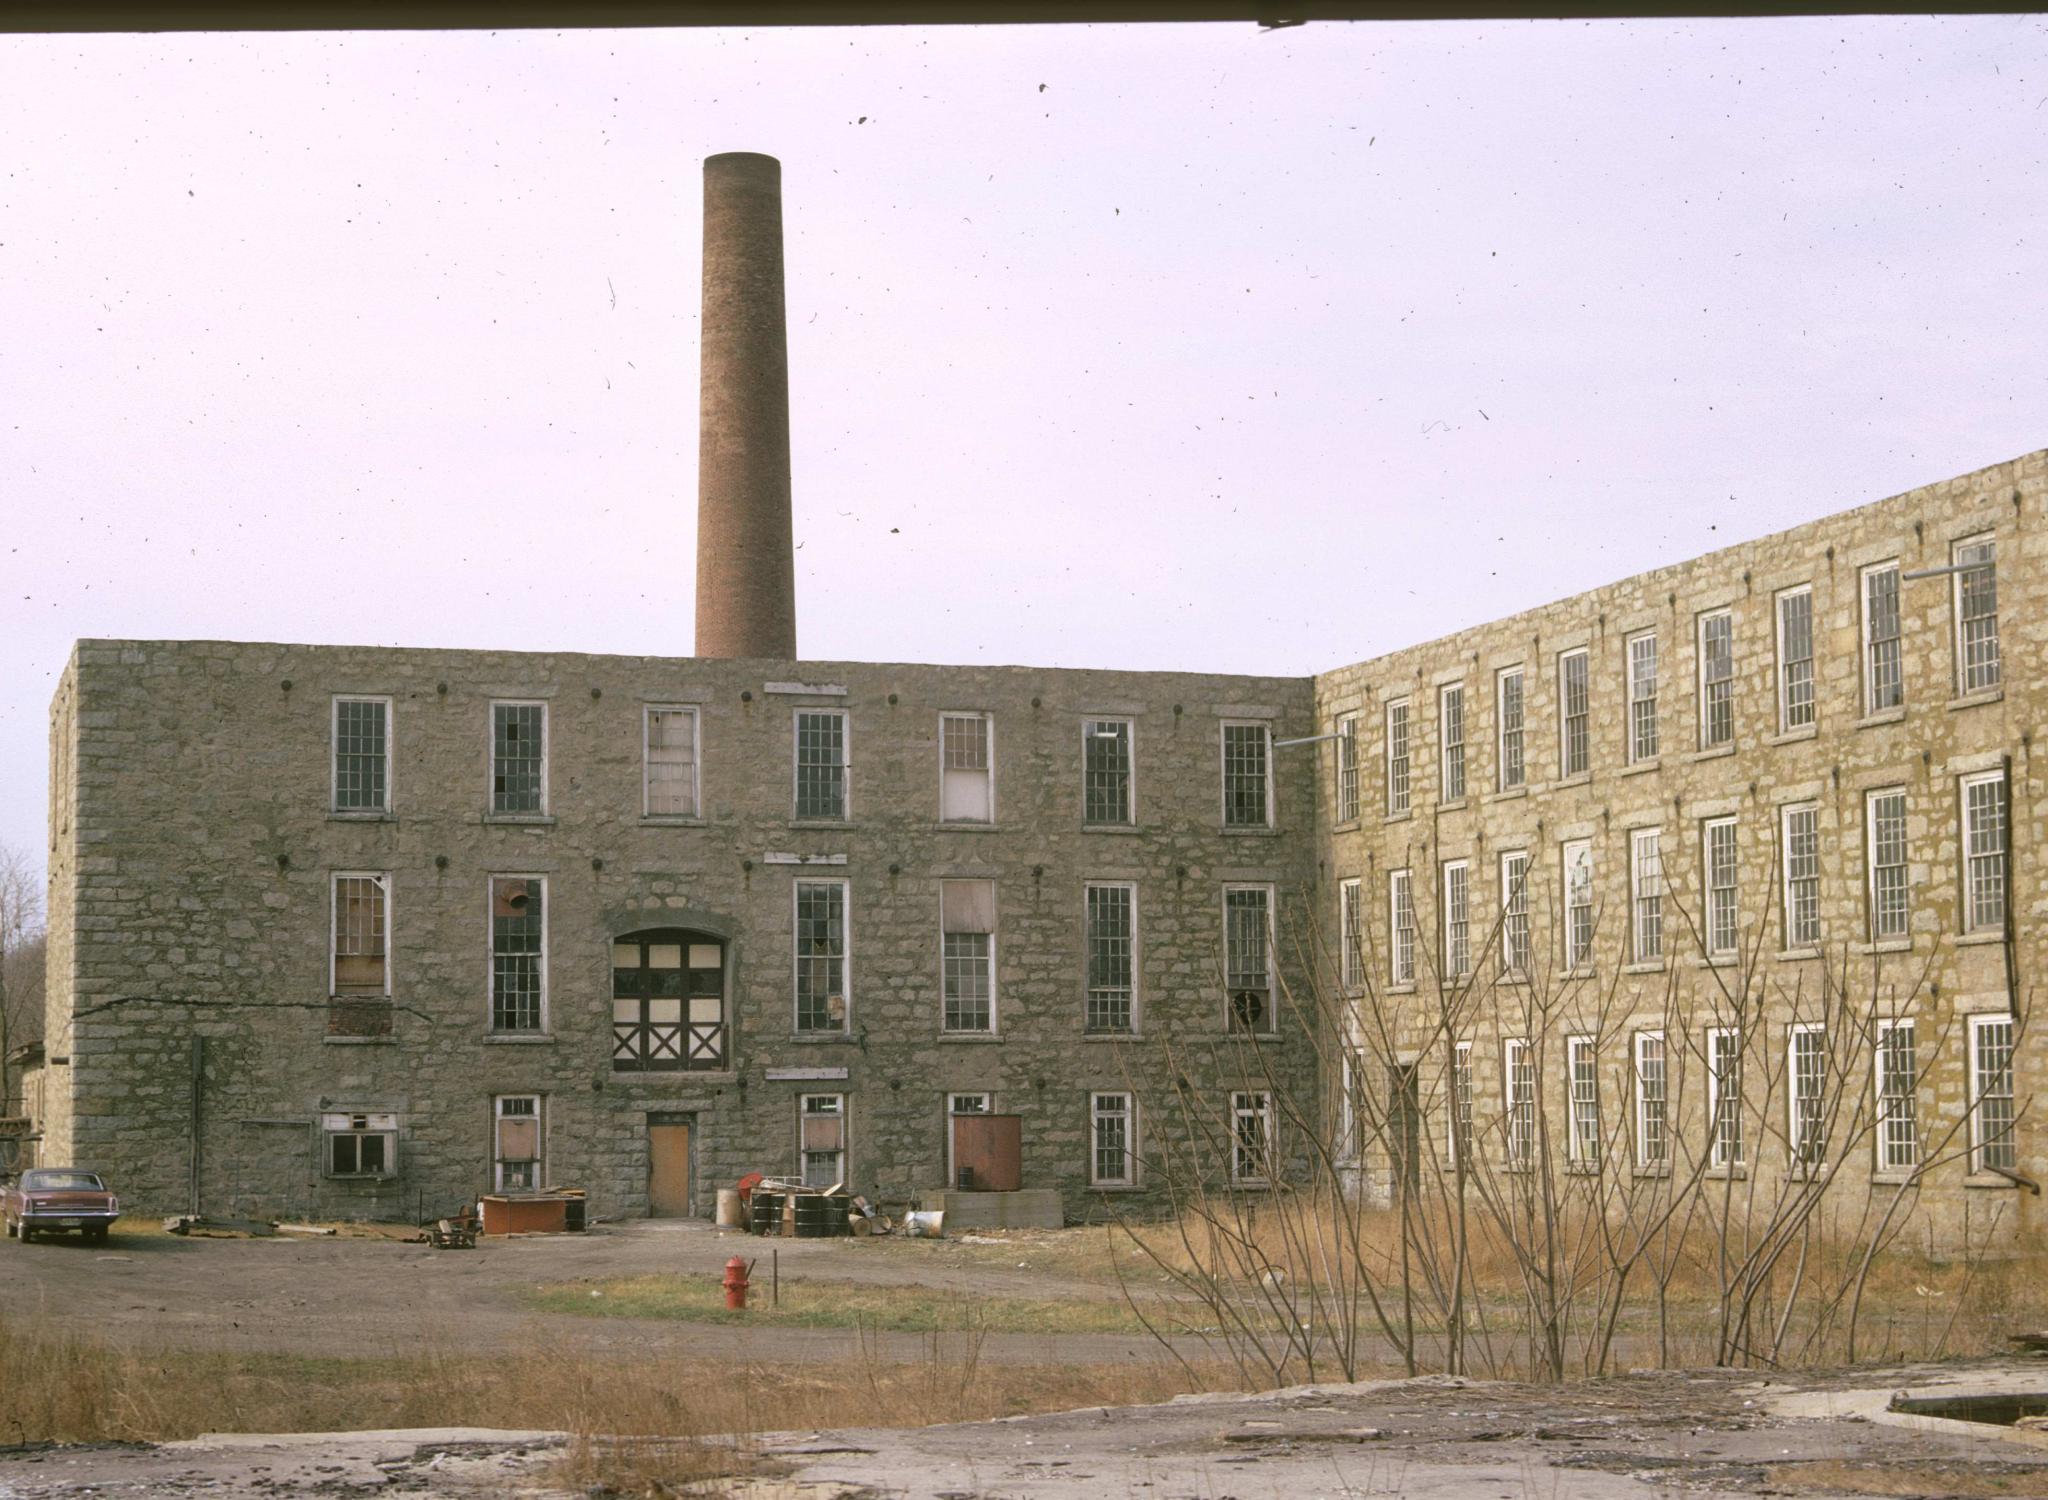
(22, 941)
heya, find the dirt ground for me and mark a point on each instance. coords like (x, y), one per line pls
(368, 1297)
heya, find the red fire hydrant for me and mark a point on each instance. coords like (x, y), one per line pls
(736, 1285)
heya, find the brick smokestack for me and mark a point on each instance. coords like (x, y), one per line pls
(746, 572)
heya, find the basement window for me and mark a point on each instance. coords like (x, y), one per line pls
(517, 1142)
(359, 1145)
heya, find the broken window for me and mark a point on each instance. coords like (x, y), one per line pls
(1976, 596)
(1113, 1132)
(967, 918)
(359, 972)
(359, 1145)
(1112, 947)
(821, 955)
(519, 763)
(1578, 905)
(1795, 659)
(1247, 780)
(1251, 1136)
(518, 953)
(821, 1139)
(821, 764)
(967, 787)
(670, 763)
(1106, 771)
(362, 755)
(668, 1002)
(1247, 957)
(517, 1143)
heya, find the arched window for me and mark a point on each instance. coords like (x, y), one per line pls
(668, 1002)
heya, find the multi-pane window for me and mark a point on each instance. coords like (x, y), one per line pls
(670, 763)
(1795, 659)
(668, 1002)
(519, 938)
(1248, 956)
(821, 955)
(1717, 679)
(1885, 843)
(1646, 882)
(1350, 925)
(967, 959)
(821, 1139)
(519, 758)
(360, 1145)
(1717, 857)
(517, 1144)
(1653, 1139)
(1106, 771)
(1984, 852)
(1112, 920)
(821, 764)
(1247, 776)
(1578, 904)
(1397, 757)
(1802, 877)
(967, 784)
(1251, 1136)
(1461, 1101)
(1519, 1070)
(1451, 741)
(1976, 598)
(1898, 1083)
(1457, 914)
(1113, 1136)
(1401, 927)
(1884, 682)
(1991, 1097)
(360, 964)
(1642, 697)
(1347, 769)
(1583, 1072)
(1724, 1097)
(1514, 906)
(1508, 711)
(362, 755)
(1574, 689)
(1806, 1067)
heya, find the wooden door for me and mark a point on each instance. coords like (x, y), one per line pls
(668, 1171)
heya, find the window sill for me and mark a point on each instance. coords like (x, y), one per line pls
(968, 1038)
(1712, 752)
(672, 820)
(1407, 988)
(1793, 736)
(530, 820)
(1508, 793)
(1988, 1180)
(1653, 966)
(1582, 971)
(1264, 831)
(1977, 939)
(821, 823)
(966, 825)
(1895, 1177)
(1455, 804)
(1582, 1168)
(1886, 945)
(1642, 767)
(1796, 955)
(1577, 778)
(820, 1038)
(1399, 817)
(336, 815)
(1345, 825)
(358, 1041)
(1717, 961)
(1250, 1185)
(1976, 700)
(1112, 1036)
(359, 1176)
(670, 1078)
(1125, 828)
(1739, 1172)
(1115, 1187)
(1252, 1036)
(519, 1038)
(1882, 716)
(1652, 1169)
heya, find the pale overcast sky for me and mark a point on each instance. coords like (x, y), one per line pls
(1149, 347)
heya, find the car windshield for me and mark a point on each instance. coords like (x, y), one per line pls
(57, 1182)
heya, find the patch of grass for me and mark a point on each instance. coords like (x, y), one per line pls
(1971, 1479)
(841, 1304)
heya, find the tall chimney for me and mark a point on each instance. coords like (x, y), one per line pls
(746, 573)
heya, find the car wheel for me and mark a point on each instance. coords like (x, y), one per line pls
(23, 1233)
(97, 1235)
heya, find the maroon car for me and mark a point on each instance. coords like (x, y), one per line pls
(58, 1200)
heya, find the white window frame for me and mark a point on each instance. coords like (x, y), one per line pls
(1786, 707)
(987, 773)
(1400, 757)
(384, 808)
(1458, 1131)
(1645, 741)
(1515, 931)
(988, 965)
(1247, 1104)
(1454, 938)
(1798, 939)
(796, 739)
(384, 882)
(647, 713)
(1518, 1099)
(1584, 1141)
(1884, 1138)
(1645, 921)
(547, 922)
(1565, 769)
(1994, 676)
(1450, 753)
(1870, 643)
(1347, 768)
(1721, 893)
(1806, 1156)
(1645, 1158)
(1130, 889)
(1512, 726)
(1872, 843)
(1578, 959)
(1350, 934)
(1707, 738)
(1726, 1148)
(1401, 927)
(547, 731)
(1133, 1161)
(1265, 730)
(1980, 1133)
(1089, 727)
(1974, 920)
(358, 1125)
(796, 959)
(1271, 1027)
(499, 1161)
(838, 1111)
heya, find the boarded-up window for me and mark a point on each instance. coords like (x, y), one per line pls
(671, 763)
(966, 768)
(360, 1145)
(518, 1146)
(821, 1138)
(360, 961)
(967, 912)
